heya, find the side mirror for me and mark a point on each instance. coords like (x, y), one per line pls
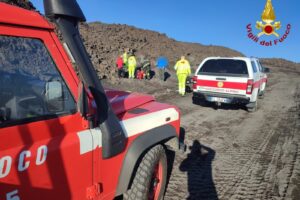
(86, 104)
(54, 96)
(266, 69)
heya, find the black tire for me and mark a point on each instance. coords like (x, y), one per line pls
(144, 181)
(253, 108)
(202, 102)
(261, 95)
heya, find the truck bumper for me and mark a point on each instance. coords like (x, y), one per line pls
(220, 97)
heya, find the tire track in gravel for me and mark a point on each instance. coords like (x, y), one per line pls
(252, 180)
(249, 156)
(255, 154)
(251, 183)
(288, 182)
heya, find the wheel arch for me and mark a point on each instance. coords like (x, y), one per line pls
(136, 151)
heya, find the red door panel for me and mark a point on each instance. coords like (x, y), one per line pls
(41, 159)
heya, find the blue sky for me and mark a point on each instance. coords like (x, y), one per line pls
(208, 22)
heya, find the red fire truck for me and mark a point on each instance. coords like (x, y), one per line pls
(62, 135)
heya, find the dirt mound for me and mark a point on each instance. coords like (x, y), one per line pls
(105, 42)
(281, 65)
(26, 4)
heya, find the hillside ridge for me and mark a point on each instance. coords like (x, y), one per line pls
(104, 42)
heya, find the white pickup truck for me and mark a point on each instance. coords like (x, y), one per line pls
(230, 80)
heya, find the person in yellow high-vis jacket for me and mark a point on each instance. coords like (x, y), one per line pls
(131, 66)
(183, 70)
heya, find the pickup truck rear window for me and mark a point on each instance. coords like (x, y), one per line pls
(224, 67)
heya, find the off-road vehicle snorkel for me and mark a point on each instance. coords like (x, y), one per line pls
(67, 14)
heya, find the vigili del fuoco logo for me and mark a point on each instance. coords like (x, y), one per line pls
(268, 27)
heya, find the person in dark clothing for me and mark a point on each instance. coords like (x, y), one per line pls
(162, 63)
(146, 67)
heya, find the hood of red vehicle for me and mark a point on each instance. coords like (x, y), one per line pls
(123, 101)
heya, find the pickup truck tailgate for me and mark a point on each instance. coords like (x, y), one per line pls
(219, 84)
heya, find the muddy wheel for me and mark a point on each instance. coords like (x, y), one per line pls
(261, 95)
(150, 179)
(254, 107)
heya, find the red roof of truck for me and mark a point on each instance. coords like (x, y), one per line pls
(14, 15)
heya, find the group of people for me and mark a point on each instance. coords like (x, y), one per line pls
(127, 62)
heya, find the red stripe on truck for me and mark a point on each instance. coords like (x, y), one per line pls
(264, 80)
(231, 85)
(226, 84)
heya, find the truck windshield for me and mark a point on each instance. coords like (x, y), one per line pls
(224, 67)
